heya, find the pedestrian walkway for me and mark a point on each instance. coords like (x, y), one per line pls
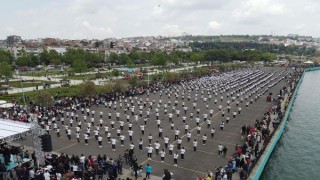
(74, 82)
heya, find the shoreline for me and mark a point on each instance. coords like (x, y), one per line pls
(257, 170)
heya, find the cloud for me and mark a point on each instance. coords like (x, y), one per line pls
(123, 18)
(257, 8)
(171, 30)
(97, 31)
(214, 25)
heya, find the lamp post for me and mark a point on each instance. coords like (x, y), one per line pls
(24, 97)
(148, 76)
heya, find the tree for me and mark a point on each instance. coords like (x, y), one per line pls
(44, 98)
(174, 58)
(159, 59)
(123, 59)
(87, 89)
(171, 76)
(201, 71)
(217, 55)
(120, 86)
(133, 81)
(6, 56)
(113, 57)
(79, 66)
(129, 63)
(27, 60)
(107, 88)
(196, 57)
(5, 69)
(268, 56)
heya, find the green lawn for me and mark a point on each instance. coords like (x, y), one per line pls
(64, 92)
(17, 84)
(43, 73)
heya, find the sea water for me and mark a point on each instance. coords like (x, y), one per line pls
(297, 154)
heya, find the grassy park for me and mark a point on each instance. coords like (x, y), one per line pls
(19, 84)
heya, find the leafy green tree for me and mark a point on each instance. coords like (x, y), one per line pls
(6, 56)
(217, 55)
(159, 59)
(5, 69)
(87, 89)
(54, 57)
(129, 63)
(44, 57)
(113, 57)
(27, 60)
(171, 76)
(201, 71)
(120, 86)
(107, 88)
(134, 55)
(73, 54)
(133, 81)
(123, 59)
(44, 98)
(79, 66)
(268, 56)
(174, 58)
(197, 56)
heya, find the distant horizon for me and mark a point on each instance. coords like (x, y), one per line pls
(199, 35)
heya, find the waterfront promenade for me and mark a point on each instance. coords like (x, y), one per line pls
(196, 163)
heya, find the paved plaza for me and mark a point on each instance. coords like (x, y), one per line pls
(195, 163)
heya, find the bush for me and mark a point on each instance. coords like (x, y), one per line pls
(87, 89)
(44, 98)
(120, 86)
(107, 88)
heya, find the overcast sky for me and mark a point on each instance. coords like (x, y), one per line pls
(78, 19)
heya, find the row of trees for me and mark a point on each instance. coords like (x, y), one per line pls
(81, 60)
(264, 48)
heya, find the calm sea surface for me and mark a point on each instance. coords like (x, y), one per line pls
(297, 154)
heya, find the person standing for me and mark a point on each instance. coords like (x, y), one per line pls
(78, 137)
(212, 132)
(171, 146)
(195, 144)
(142, 129)
(100, 141)
(204, 139)
(166, 141)
(122, 137)
(224, 150)
(157, 147)
(86, 137)
(162, 155)
(69, 134)
(130, 132)
(148, 171)
(220, 148)
(175, 158)
(150, 150)
(221, 125)
(113, 143)
(140, 144)
(182, 152)
(188, 136)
